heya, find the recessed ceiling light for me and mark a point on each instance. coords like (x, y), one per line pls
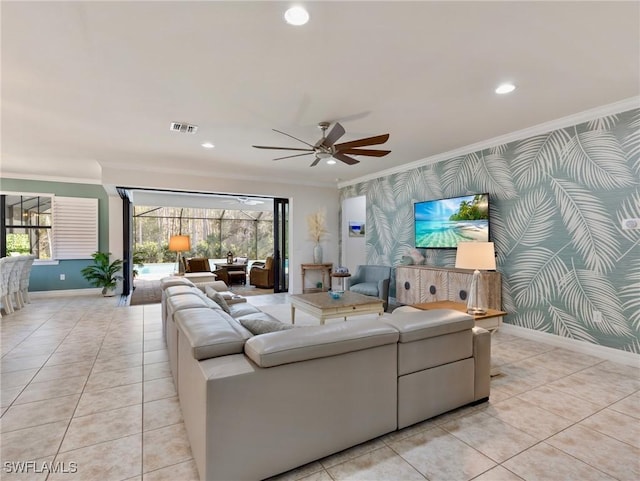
(331, 161)
(296, 16)
(208, 145)
(505, 88)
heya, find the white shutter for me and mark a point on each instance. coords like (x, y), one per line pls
(75, 227)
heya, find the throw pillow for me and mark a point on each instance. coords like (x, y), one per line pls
(218, 299)
(263, 326)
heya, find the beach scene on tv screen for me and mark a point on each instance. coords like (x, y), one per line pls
(445, 222)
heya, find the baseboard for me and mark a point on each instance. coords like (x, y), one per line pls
(64, 293)
(608, 353)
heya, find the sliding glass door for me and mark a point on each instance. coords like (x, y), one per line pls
(281, 244)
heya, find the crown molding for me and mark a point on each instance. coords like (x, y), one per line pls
(49, 178)
(561, 123)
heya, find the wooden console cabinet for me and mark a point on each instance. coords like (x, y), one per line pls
(420, 284)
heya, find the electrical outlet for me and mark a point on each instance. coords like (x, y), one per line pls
(597, 316)
(62, 277)
(630, 224)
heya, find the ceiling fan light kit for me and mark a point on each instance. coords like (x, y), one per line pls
(326, 147)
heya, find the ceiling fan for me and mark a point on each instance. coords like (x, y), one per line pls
(326, 147)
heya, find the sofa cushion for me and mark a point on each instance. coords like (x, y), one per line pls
(430, 323)
(315, 342)
(366, 288)
(242, 310)
(219, 286)
(182, 289)
(186, 301)
(209, 332)
(175, 281)
(263, 326)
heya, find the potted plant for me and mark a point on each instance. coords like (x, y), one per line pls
(103, 273)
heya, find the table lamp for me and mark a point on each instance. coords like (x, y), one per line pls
(477, 256)
(179, 243)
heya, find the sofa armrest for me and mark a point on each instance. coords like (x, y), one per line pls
(353, 280)
(304, 343)
(416, 325)
(482, 359)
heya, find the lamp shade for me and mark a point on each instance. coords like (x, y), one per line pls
(476, 255)
(179, 243)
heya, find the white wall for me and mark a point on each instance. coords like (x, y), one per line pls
(354, 250)
(304, 199)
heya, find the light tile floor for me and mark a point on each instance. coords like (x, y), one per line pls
(86, 390)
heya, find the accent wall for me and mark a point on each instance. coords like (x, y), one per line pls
(558, 202)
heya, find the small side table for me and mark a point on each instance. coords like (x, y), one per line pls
(343, 278)
(325, 272)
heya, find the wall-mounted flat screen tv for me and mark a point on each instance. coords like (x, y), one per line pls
(442, 223)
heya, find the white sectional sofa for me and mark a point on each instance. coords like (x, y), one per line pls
(258, 405)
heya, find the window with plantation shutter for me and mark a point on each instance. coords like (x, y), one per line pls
(75, 227)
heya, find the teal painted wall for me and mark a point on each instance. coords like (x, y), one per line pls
(557, 201)
(47, 277)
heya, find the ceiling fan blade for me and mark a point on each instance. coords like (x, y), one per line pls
(378, 139)
(336, 132)
(345, 158)
(370, 152)
(280, 148)
(289, 135)
(315, 162)
(289, 156)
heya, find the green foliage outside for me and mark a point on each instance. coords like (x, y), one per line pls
(213, 233)
(471, 210)
(18, 243)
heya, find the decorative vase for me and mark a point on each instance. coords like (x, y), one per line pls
(317, 254)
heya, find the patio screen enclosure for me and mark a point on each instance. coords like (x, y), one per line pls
(213, 232)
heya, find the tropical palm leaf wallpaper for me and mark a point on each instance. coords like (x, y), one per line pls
(557, 205)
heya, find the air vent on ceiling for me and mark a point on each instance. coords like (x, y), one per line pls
(183, 127)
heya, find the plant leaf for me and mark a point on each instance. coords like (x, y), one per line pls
(564, 324)
(587, 291)
(534, 158)
(531, 219)
(492, 174)
(632, 292)
(603, 123)
(535, 277)
(380, 229)
(632, 142)
(531, 320)
(588, 223)
(596, 159)
(456, 171)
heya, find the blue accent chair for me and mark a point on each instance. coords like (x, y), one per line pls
(371, 281)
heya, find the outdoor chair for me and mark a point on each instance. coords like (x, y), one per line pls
(262, 274)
